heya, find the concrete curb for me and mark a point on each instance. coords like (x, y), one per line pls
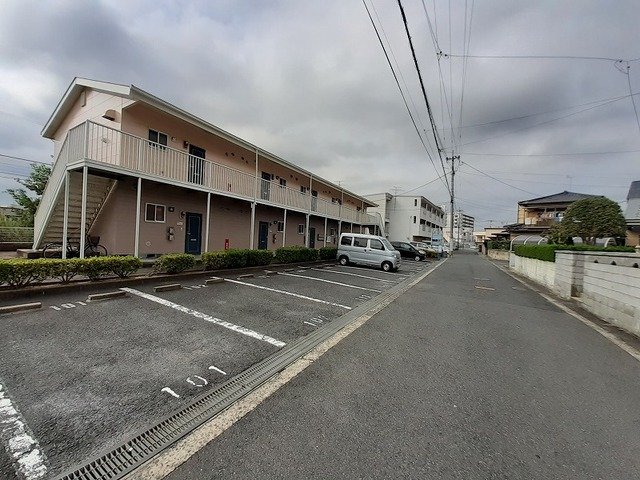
(20, 308)
(214, 280)
(167, 287)
(97, 297)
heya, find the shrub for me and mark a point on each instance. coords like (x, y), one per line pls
(23, 272)
(295, 254)
(499, 245)
(328, 253)
(124, 267)
(95, 267)
(547, 253)
(174, 263)
(258, 257)
(65, 270)
(215, 260)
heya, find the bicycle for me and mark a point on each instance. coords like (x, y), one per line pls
(92, 248)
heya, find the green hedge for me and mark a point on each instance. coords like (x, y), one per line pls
(296, 254)
(23, 272)
(236, 258)
(328, 253)
(547, 253)
(499, 245)
(174, 263)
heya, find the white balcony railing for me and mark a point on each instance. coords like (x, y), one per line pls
(106, 145)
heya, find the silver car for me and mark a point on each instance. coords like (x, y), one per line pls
(368, 250)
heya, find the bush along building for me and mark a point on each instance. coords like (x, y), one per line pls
(149, 178)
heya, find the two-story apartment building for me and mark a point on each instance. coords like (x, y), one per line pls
(537, 215)
(408, 218)
(150, 178)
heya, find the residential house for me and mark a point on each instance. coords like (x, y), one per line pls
(538, 215)
(149, 178)
(632, 214)
(408, 218)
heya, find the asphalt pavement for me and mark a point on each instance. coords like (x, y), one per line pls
(468, 375)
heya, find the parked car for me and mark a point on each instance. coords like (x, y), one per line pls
(409, 251)
(367, 250)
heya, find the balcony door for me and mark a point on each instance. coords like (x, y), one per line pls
(196, 164)
(265, 186)
(314, 200)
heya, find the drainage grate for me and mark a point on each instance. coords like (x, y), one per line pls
(127, 457)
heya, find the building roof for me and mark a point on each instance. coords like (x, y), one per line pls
(634, 190)
(134, 93)
(562, 197)
(632, 212)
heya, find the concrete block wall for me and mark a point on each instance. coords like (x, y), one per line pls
(536, 270)
(613, 292)
(569, 274)
(498, 254)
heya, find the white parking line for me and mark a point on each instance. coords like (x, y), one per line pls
(330, 281)
(381, 271)
(208, 318)
(287, 293)
(22, 447)
(217, 370)
(352, 275)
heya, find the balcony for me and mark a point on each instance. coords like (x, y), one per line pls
(118, 151)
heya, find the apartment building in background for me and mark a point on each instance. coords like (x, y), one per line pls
(463, 226)
(408, 218)
(149, 178)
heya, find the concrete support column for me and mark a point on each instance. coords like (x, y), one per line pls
(284, 231)
(136, 244)
(306, 232)
(325, 231)
(208, 222)
(83, 214)
(339, 228)
(65, 217)
(253, 225)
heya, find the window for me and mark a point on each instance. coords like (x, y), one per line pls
(157, 139)
(346, 240)
(376, 244)
(415, 202)
(281, 226)
(154, 213)
(283, 182)
(301, 229)
(332, 232)
(360, 242)
(303, 189)
(414, 219)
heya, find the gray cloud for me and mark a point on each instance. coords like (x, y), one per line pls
(308, 81)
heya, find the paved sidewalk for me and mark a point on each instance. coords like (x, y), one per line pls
(449, 381)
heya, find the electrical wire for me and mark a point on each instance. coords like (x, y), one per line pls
(540, 123)
(23, 159)
(539, 57)
(550, 154)
(398, 84)
(496, 179)
(424, 185)
(635, 110)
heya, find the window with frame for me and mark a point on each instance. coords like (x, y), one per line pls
(281, 226)
(332, 232)
(158, 139)
(414, 219)
(415, 202)
(376, 244)
(283, 183)
(155, 213)
(303, 189)
(301, 229)
(346, 240)
(360, 242)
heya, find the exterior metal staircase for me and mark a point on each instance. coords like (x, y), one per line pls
(98, 190)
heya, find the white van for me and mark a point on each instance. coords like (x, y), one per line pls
(367, 250)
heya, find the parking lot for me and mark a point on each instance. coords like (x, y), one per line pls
(87, 375)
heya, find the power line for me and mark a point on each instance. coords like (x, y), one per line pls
(550, 154)
(425, 184)
(540, 57)
(548, 111)
(424, 92)
(399, 87)
(23, 159)
(497, 179)
(541, 123)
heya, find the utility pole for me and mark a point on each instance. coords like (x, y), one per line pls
(453, 159)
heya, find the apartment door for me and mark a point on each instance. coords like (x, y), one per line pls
(314, 200)
(193, 235)
(312, 237)
(263, 235)
(196, 164)
(265, 186)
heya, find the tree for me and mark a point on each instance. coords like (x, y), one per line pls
(592, 218)
(36, 182)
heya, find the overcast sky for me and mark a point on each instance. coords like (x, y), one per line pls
(308, 81)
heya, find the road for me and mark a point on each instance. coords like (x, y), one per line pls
(468, 375)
